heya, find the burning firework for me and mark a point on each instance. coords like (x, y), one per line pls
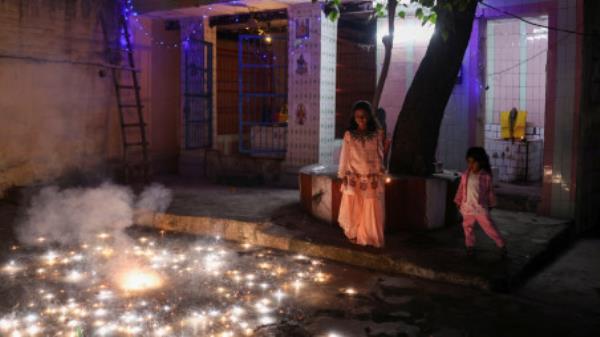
(137, 280)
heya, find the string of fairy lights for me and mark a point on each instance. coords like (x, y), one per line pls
(196, 28)
(192, 31)
(132, 16)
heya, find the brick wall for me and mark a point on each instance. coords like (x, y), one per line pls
(227, 87)
(58, 115)
(355, 74)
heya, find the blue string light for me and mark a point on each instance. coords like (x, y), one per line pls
(130, 12)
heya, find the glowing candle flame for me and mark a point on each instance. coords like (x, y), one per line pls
(101, 289)
(321, 277)
(11, 267)
(74, 276)
(350, 291)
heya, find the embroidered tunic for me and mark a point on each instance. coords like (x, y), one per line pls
(361, 168)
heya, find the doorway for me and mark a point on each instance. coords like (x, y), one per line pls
(197, 95)
(262, 101)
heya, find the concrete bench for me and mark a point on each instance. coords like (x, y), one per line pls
(411, 202)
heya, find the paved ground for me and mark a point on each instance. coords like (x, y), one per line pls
(400, 306)
(245, 204)
(561, 301)
(273, 217)
(573, 280)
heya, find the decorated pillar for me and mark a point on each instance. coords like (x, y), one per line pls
(311, 86)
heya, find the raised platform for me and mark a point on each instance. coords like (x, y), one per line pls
(411, 202)
(274, 218)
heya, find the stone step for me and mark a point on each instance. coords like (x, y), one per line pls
(519, 203)
(192, 171)
(192, 163)
(518, 197)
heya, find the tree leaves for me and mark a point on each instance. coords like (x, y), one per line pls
(331, 9)
(433, 18)
(379, 9)
(427, 11)
(419, 13)
(333, 15)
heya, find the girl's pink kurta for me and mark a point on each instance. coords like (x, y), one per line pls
(362, 210)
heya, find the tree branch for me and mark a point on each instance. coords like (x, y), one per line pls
(388, 42)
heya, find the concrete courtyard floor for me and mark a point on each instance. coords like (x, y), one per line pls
(562, 300)
(273, 218)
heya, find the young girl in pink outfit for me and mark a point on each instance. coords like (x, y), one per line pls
(475, 198)
(361, 169)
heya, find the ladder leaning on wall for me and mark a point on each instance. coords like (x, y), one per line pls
(129, 104)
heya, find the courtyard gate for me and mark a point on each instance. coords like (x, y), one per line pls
(262, 101)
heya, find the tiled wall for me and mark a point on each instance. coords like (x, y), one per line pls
(311, 89)
(492, 131)
(515, 161)
(327, 90)
(516, 55)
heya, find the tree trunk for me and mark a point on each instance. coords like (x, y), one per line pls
(418, 126)
(388, 42)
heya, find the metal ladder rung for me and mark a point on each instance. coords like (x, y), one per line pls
(126, 68)
(140, 164)
(125, 77)
(130, 125)
(137, 144)
(128, 87)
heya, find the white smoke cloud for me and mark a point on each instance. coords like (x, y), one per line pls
(155, 198)
(74, 215)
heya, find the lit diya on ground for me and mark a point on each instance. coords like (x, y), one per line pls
(153, 285)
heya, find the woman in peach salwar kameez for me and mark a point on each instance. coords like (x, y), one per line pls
(362, 210)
